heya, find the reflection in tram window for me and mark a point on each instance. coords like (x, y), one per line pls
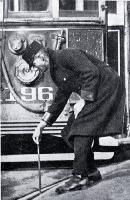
(67, 4)
(28, 5)
(90, 5)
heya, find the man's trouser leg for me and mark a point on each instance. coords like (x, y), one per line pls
(84, 157)
(83, 165)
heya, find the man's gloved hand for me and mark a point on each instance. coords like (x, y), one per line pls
(38, 130)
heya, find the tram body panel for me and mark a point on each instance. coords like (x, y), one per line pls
(42, 91)
(17, 122)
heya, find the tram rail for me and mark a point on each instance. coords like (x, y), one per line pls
(36, 193)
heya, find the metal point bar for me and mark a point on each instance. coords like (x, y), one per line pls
(39, 167)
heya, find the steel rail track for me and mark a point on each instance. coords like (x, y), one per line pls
(32, 195)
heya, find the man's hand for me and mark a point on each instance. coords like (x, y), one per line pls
(37, 132)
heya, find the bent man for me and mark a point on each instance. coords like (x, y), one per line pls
(103, 94)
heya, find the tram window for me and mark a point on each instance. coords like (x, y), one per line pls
(49, 8)
(78, 8)
(67, 4)
(90, 5)
(11, 5)
(28, 5)
(112, 6)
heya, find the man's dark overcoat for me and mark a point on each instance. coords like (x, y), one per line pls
(73, 70)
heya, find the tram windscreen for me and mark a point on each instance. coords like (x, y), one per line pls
(28, 5)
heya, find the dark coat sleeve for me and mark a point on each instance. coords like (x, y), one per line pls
(57, 106)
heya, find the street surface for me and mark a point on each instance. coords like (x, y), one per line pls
(114, 186)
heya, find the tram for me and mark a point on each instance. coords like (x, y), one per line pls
(97, 27)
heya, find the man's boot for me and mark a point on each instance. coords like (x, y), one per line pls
(94, 177)
(76, 182)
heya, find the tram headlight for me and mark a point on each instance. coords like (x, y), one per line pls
(17, 44)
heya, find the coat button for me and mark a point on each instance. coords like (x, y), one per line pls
(64, 79)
